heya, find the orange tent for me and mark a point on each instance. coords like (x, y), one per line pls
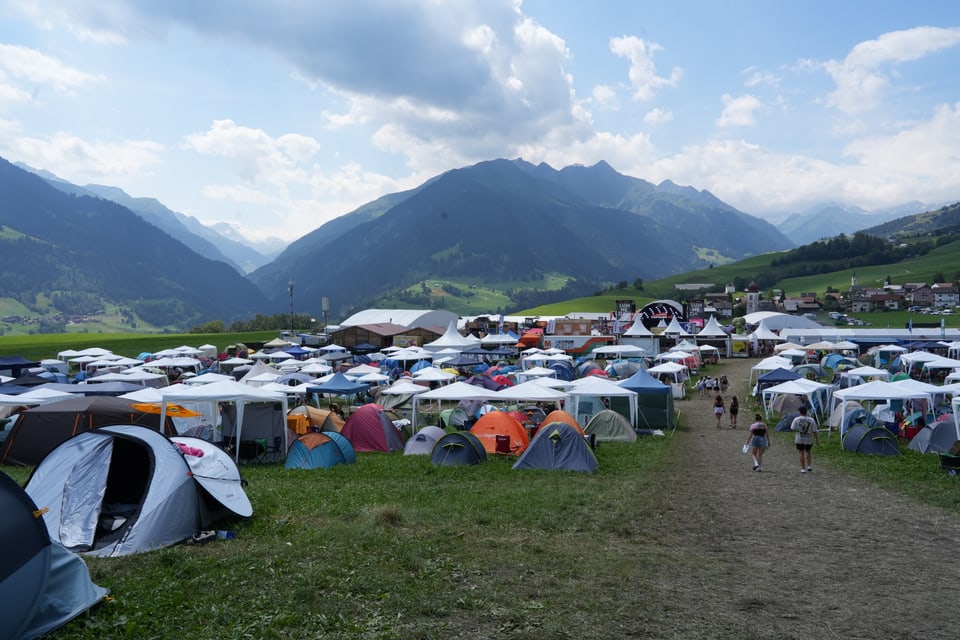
(564, 417)
(501, 433)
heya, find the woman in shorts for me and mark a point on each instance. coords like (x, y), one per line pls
(718, 410)
(757, 440)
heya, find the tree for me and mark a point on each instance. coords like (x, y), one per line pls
(938, 277)
(622, 285)
(638, 284)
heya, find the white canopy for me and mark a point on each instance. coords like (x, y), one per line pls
(451, 339)
(876, 391)
(584, 390)
(531, 392)
(35, 396)
(628, 350)
(768, 364)
(862, 374)
(404, 387)
(712, 330)
(817, 393)
(216, 393)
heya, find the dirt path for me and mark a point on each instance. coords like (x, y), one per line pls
(777, 554)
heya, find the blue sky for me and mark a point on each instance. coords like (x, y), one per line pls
(275, 117)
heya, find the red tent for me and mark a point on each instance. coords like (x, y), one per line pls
(370, 429)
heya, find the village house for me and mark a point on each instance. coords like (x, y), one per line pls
(945, 295)
(921, 296)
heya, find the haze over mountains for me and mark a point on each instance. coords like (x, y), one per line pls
(498, 223)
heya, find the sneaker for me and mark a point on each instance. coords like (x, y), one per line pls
(756, 467)
(803, 470)
(759, 469)
(809, 469)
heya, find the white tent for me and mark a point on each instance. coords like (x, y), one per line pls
(530, 392)
(457, 391)
(876, 392)
(217, 393)
(859, 375)
(586, 396)
(768, 364)
(763, 332)
(817, 393)
(451, 339)
(621, 350)
(674, 330)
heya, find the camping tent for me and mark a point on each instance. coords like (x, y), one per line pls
(40, 429)
(654, 401)
(126, 489)
(370, 429)
(938, 437)
(558, 447)
(559, 415)
(319, 419)
(422, 442)
(42, 585)
(248, 415)
(878, 441)
(458, 448)
(817, 395)
(610, 426)
(499, 432)
(587, 395)
(320, 450)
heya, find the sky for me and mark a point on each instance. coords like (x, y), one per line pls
(276, 117)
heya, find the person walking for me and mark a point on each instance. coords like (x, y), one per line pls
(718, 408)
(734, 410)
(806, 428)
(701, 385)
(757, 441)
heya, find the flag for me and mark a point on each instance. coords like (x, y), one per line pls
(910, 326)
(943, 327)
(500, 324)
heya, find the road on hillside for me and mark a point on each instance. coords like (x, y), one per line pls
(779, 554)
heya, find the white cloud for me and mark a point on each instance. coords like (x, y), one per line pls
(658, 116)
(643, 72)
(863, 75)
(605, 98)
(257, 156)
(739, 111)
(80, 160)
(755, 77)
(30, 66)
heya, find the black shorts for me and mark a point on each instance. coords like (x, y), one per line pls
(804, 447)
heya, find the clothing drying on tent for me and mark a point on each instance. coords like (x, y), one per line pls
(42, 585)
(422, 442)
(458, 449)
(320, 450)
(558, 447)
(501, 433)
(126, 489)
(369, 428)
(610, 426)
(870, 440)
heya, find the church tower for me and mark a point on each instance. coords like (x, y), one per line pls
(853, 280)
(753, 297)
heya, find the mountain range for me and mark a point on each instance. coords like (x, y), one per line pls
(508, 225)
(505, 221)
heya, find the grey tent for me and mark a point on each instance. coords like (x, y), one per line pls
(126, 489)
(42, 585)
(936, 438)
(421, 444)
(871, 440)
(610, 426)
(457, 449)
(560, 447)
